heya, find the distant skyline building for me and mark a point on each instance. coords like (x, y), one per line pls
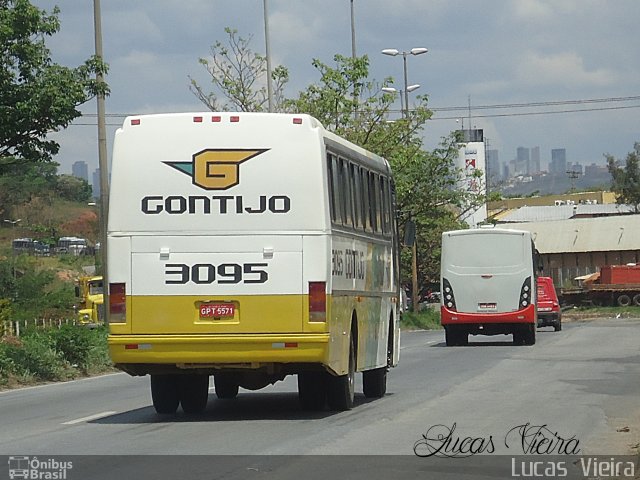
(558, 163)
(96, 183)
(80, 169)
(534, 164)
(494, 172)
(522, 161)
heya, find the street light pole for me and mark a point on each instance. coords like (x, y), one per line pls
(268, 54)
(414, 249)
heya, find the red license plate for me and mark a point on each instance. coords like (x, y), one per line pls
(217, 310)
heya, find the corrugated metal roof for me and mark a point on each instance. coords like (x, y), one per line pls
(562, 212)
(602, 234)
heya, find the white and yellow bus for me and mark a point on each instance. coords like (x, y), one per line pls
(250, 246)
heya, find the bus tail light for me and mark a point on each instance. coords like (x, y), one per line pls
(447, 295)
(317, 302)
(117, 303)
(525, 293)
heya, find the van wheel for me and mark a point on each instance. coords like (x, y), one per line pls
(455, 337)
(374, 382)
(226, 386)
(341, 389)
(312, 390)
(624, 300)
(194, 393)
(165, 393)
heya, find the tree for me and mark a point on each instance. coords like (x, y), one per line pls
(626, 181)
(37, 96)
(427, 182)
(237, 72)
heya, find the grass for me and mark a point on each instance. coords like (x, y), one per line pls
(427, 319)
(602, 312)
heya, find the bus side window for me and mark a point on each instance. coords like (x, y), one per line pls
(378, 192)
(373, 207)
(366, 204)
(345, 197)
(386, 213)
(335, 190)
(354, 177)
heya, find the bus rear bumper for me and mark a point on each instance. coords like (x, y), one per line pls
(131, 352)
(524, 316)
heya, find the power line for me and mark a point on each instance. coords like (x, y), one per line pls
(465, 108)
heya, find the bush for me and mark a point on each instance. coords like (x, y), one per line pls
(53, 354)
(37, 357)
(82, 347)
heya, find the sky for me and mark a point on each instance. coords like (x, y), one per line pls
(578, 60)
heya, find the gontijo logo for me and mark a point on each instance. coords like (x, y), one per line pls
(216, 169)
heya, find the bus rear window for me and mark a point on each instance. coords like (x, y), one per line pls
(486, 251)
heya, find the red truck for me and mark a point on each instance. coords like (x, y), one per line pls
(613, 285)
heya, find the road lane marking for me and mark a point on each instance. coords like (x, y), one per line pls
(89, 418)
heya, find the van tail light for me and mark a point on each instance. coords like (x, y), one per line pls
(117, 303)
(448, 299)
(525, 293)
(317, 302)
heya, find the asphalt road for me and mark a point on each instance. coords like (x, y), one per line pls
(582, 383)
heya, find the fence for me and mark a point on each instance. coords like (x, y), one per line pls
(15, 328)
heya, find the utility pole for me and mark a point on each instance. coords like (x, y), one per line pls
(102, 158)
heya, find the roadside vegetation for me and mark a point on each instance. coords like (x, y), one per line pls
(53, 354)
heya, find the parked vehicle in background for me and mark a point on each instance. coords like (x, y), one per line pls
(89, 291)
(613, 285)
(547, 304)
(30, 246)
(488, 285)
(72, 245)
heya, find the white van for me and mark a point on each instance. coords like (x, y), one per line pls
(488, 284)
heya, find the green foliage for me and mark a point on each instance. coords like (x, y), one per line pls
(35, 356)
(427, 319)
(73, 188)
(38, 96)
(33, 292)
(54, 354)
(80, 346)
(626, 180)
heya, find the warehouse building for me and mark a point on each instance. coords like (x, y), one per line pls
(581, 245)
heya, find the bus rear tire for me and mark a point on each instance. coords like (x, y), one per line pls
(194, 393)
(165, 393)
(312, 390)
(341, 388)
(226, 386)
(374, 382)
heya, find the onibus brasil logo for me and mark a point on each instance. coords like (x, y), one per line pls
(216, 169)
(21, 466)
